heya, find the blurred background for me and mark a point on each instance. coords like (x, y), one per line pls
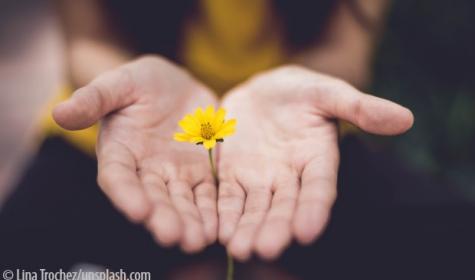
(30, 72)
(425, 61)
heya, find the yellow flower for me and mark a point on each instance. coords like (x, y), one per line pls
(205, 127)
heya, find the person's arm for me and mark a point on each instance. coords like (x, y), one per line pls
(147, 175)
(278, 174)
(92, 45)
(348, 43)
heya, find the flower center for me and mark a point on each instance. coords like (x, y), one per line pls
(207, 131)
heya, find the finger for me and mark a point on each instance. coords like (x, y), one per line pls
(118, 178)
(230, 207)
(316, 197)
(164, 222)
(193, 239)
(111, 91)
(275, 233)
(205, 197)
(370, 113)
(256, 207)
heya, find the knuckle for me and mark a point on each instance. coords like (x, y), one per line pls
(121, 82)
(228, 215)
(205, 193)
(356, 107)
(98, 98)
(249, 223)
(256, 210)
(192, 217)
(280, 219)
(229, 189)
(285, 200)
(229, 193)
(125, 76)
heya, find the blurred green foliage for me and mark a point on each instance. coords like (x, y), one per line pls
(426, 62)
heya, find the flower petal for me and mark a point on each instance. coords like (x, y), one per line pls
(228, 128)
(199, 115)
(219, 119)
(209, 114)
(209, 144)
(197, 139)
(181, 137)
(189, 126)
(191, 119)
(224, 133)
(229, 124)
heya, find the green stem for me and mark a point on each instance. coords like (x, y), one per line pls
(230, 272)
(213, 167)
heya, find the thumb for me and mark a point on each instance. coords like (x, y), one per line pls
(370, 113)
(109, 92)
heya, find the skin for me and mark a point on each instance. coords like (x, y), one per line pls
(278, 173)
(148, 176)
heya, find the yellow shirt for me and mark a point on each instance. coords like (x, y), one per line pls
(227, 42)
(231, 40)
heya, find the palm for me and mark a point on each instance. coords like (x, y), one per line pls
(150, 177)
(278, 173)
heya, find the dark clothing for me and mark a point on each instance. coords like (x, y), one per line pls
(156, 26)
(58, 217)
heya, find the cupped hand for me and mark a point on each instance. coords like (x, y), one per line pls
(278, 174)
(146, 174)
